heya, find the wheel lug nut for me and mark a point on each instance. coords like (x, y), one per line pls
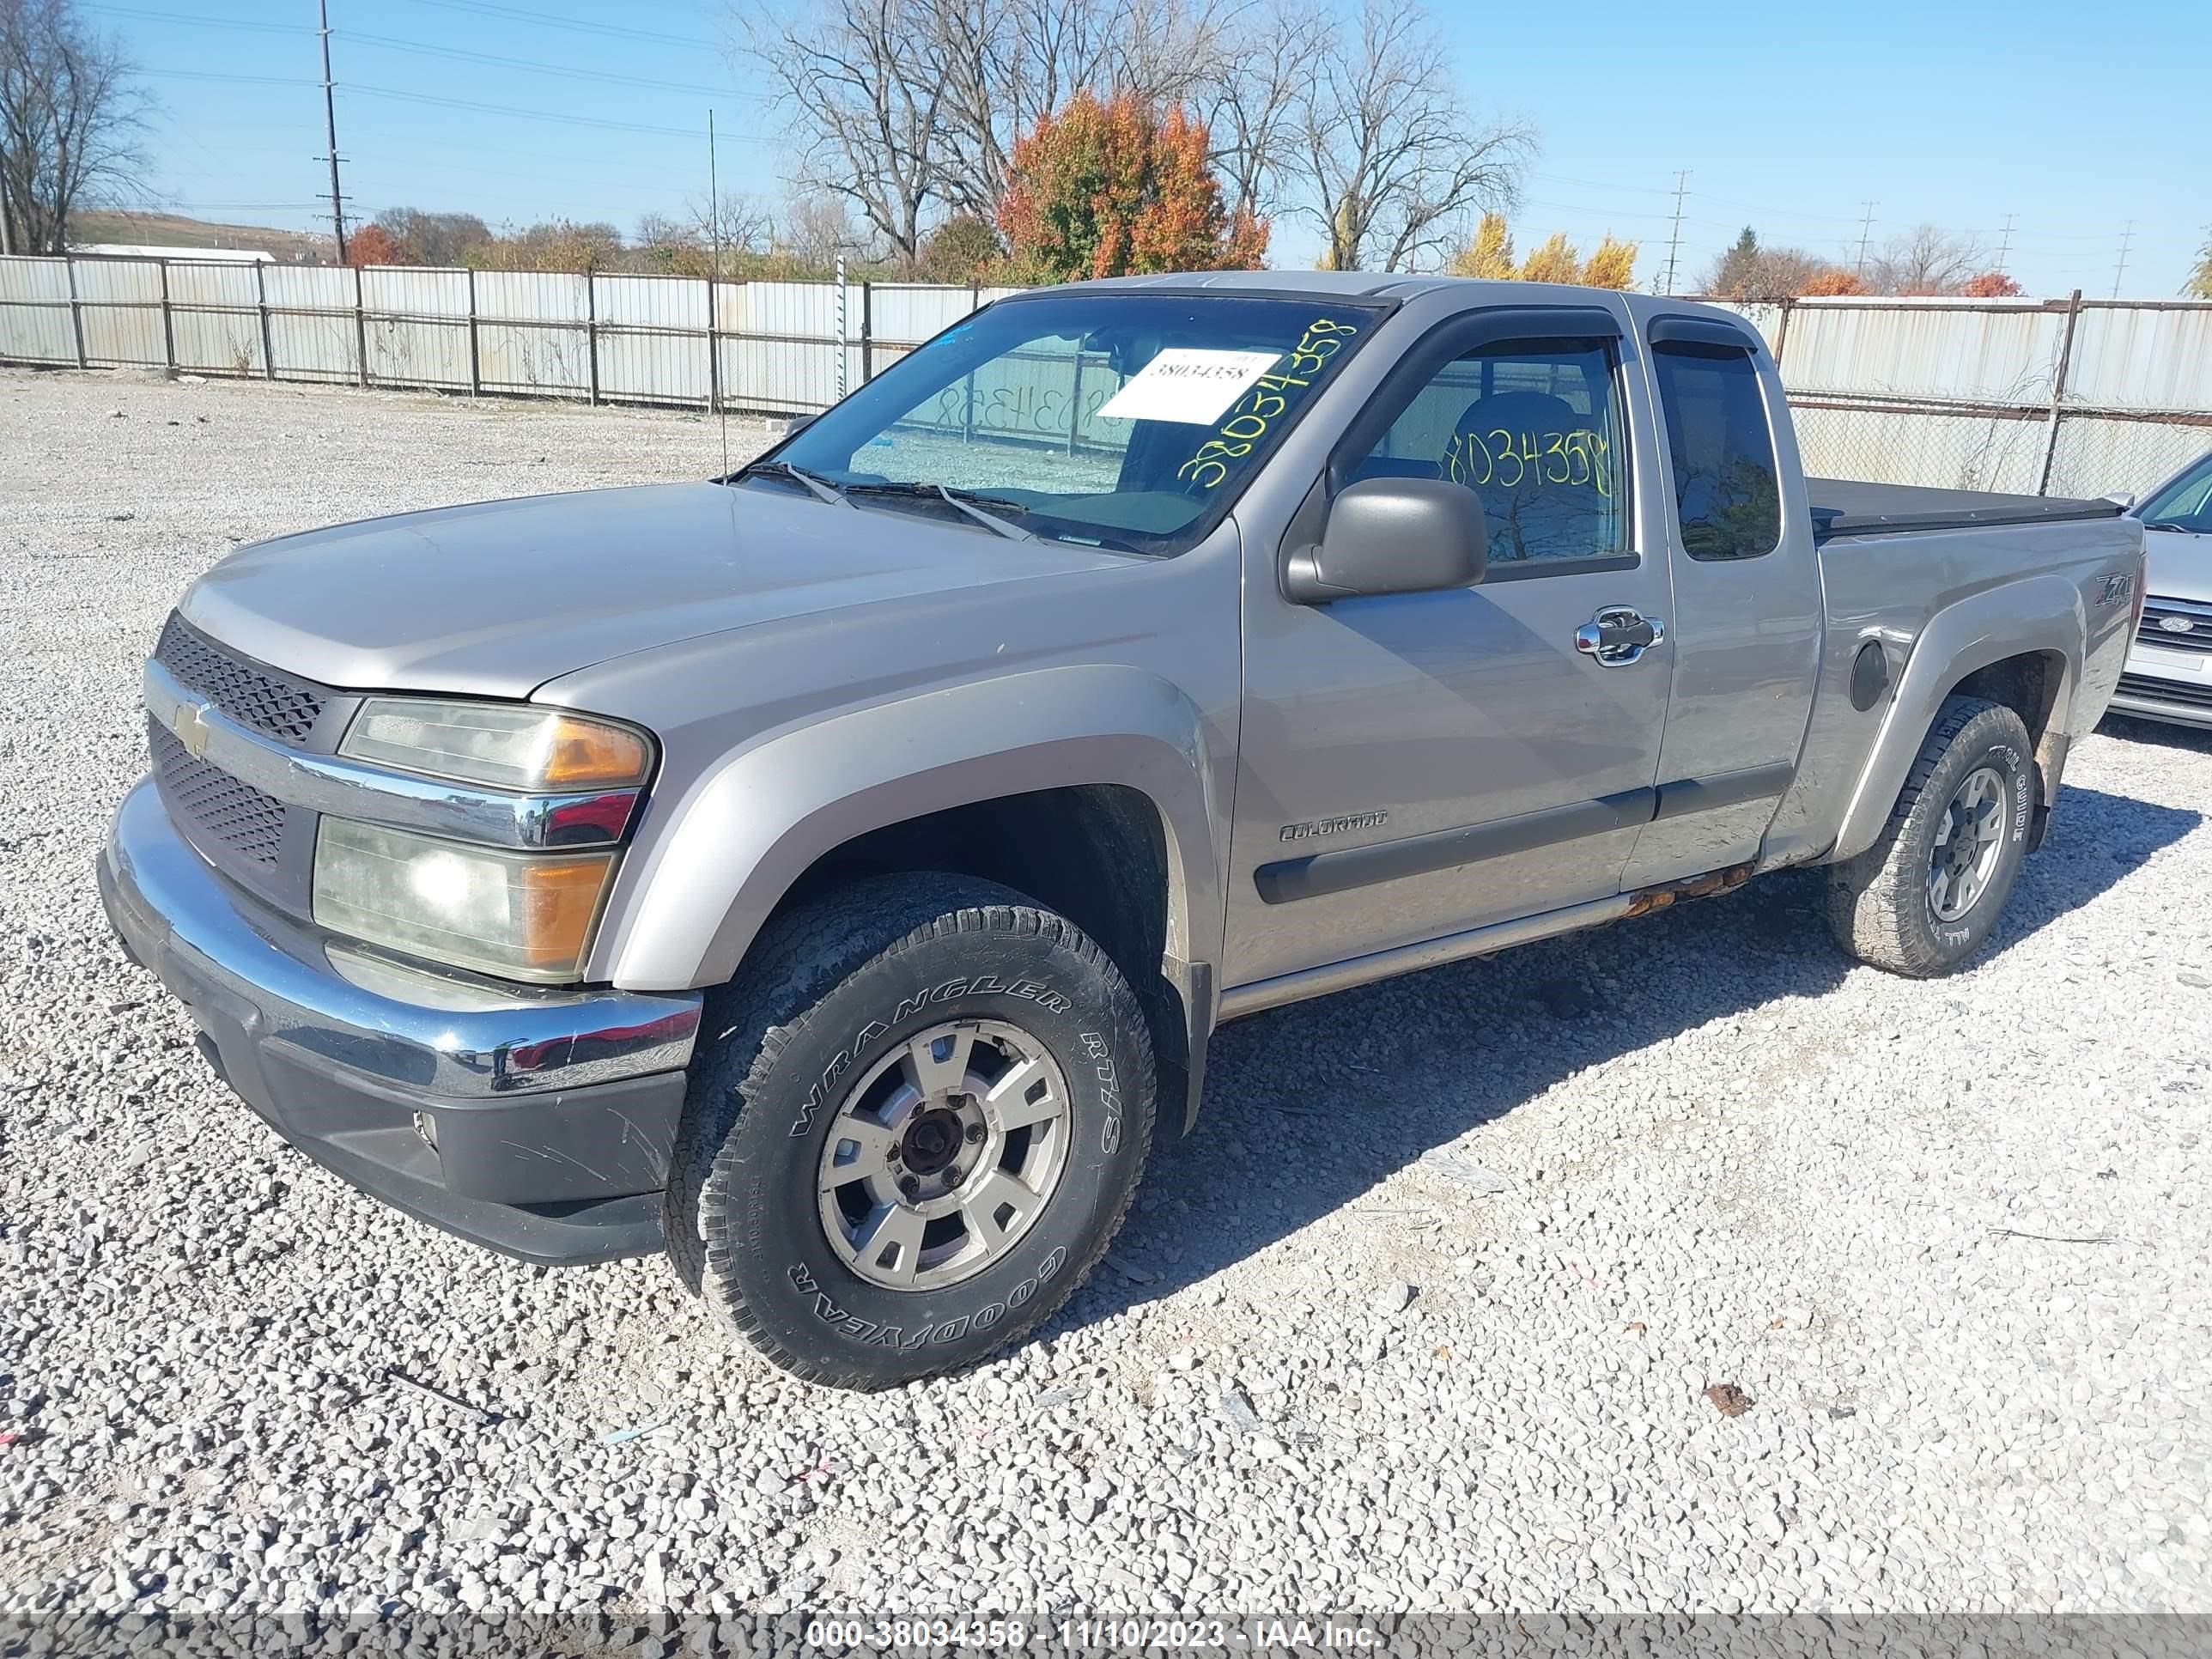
(909, 1186)
(952, 1176)
(974, 1133)
(891, 1155)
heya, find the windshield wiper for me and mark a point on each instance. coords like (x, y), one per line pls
(2174, 524)
(821, 489)
(967, 502)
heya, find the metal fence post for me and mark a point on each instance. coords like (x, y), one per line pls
(714, 353)
(2059, 393)
(168, 321)
(1075, 399)
(360, 329)
(76, 310)
(1781, 334)
(867, 332)
(591, 329)
(475, 361)
(261, 305)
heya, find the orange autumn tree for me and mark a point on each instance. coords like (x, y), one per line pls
(373, 245)
(1116, 188)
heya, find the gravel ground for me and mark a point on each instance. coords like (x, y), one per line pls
(1424, 1315)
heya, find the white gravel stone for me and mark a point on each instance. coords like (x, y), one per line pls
(1606, 1212)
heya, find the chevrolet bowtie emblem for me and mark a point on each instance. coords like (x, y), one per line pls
(193, 730)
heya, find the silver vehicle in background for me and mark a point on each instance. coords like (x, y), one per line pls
(2169, 671)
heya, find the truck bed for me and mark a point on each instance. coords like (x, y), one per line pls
(1848, 506)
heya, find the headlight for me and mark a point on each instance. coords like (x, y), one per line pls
(516, 916)
(501, 745)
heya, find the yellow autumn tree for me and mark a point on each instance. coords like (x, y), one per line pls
(1490, 255)
(1612, 265)
(1556, 261)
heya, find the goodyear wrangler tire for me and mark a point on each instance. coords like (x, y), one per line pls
(1927, 895)
(920, 1124)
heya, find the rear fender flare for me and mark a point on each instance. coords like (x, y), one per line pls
(751, 826)
(2042, 613)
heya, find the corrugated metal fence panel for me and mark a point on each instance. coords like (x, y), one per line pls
(415, 324)
(311, 322)
(1927, 349)
(532, 337)
(902, 315)
(215, 312)
(122, 306)
(2136, 358)
(653, 342)
(34, 314)
(788, 362)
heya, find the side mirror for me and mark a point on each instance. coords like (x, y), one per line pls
(2123, 499)
(1393, 536)
(798, 423)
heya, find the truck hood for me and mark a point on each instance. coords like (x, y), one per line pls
(496, 598)
(2180, 565)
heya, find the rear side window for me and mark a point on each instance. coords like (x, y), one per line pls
(1533, 427)
(1726, 496)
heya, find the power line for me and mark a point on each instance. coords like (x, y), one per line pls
(530, 114)
(197, 21)
(539, 20)
(462, 55)
(1674, 241)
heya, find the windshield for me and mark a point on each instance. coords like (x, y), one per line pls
(2185, 504)
(1125, 420)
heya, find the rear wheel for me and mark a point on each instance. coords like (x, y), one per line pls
(1926, 896)
(922, 1123)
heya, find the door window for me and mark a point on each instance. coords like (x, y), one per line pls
(1726, 498)
(1535, 428)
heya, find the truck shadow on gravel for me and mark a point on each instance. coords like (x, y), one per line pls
(1308, 1108)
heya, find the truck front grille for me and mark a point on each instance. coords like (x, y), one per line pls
(274, 704)
(211, 806)
(2175, 624)
(2142, 686)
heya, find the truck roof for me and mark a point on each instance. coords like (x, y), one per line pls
(1367, 285)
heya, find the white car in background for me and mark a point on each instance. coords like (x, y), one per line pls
(2169, 671)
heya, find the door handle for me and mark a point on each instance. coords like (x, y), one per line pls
(1618, 635)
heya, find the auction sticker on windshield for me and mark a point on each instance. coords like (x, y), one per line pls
(1188, 385)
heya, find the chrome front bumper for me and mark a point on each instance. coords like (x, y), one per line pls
(539, 1123)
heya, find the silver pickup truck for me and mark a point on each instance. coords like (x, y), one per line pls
(827, 874)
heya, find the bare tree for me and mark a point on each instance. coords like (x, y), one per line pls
(736, 223)
(867, 105)
(1254, 110)
(1750, 269)
(1392, 160)
(1926, 260)
(433, 239)
(909, 108)
(70, 122)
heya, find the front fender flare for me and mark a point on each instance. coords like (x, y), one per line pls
(2036, 615)
(750, 826)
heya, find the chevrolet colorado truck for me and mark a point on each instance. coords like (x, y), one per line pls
(827, 873)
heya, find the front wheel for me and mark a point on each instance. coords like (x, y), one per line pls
(921, 1124)
(1926, 896)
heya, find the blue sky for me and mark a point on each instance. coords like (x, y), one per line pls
(2077, 122)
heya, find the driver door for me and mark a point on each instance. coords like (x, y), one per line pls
(1414, 765)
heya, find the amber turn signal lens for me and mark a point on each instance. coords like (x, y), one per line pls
(585, 755)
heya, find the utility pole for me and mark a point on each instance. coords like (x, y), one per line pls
(2121, 269)
(2004, 247)
(1675, 242)
(1866, 234)
(330, 132)
(714, 277)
